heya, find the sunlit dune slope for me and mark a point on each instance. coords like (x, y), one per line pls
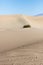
(35, 21)
(18, 21)
(12, 22)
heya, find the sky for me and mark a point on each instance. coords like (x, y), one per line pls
(26, 7)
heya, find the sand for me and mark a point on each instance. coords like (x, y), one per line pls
(19, 46)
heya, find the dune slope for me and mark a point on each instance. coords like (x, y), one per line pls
(13, 35)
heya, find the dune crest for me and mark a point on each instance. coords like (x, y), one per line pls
(12, 22)
(8, 22)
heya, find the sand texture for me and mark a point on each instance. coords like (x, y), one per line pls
(18, 45)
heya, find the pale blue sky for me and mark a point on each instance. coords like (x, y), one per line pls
(27, 7)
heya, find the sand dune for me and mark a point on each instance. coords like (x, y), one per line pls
(17, 21)
(12, 22)
(13, 35)
(18, 45)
